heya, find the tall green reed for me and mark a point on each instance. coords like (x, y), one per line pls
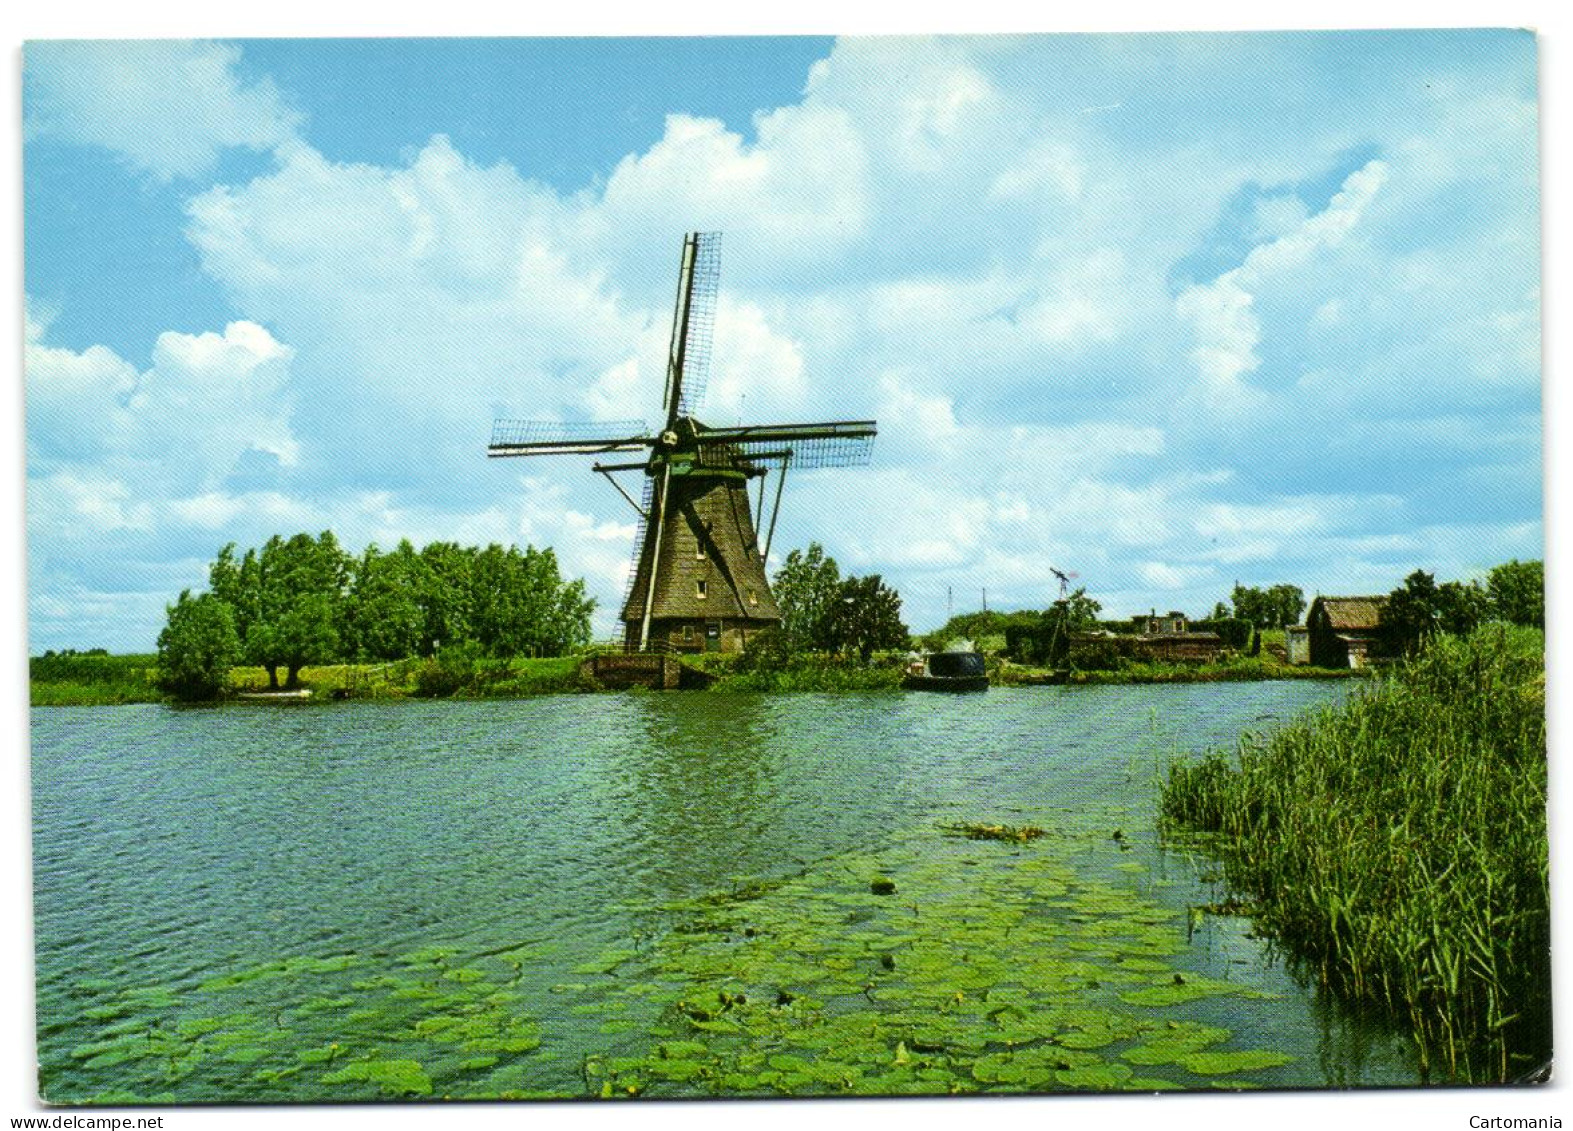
(1397, 845)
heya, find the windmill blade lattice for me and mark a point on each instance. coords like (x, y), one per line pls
(835, 443)
(701, 322)
(550, 437)
(818, 451)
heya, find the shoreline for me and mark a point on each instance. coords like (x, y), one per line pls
(339, 683)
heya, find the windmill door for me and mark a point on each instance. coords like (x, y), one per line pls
(712, 636)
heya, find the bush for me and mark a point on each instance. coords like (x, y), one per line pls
(459, 669)
(1235, 632)
(770, 650)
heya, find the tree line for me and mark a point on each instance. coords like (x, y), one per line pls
(821, 611)
(1420, 609)
(304, 600)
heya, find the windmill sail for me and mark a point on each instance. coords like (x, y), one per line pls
(693, 325)
(555, 437)
(839, 443)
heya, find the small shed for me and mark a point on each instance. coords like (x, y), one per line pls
(1346, 632)
(1297, 644)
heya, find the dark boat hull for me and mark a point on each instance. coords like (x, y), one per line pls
(946, 683)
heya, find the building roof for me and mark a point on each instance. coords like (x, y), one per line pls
(1353, 613)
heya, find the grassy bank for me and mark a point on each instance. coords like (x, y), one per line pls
(1397, 845)
(811, 674)
(463, 677)
(76, 679)
(1238, 669)
(79, 680)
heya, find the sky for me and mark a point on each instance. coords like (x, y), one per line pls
(1168, 311)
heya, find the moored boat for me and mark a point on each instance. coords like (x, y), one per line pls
(947, 671)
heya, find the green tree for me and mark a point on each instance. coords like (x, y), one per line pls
(975, 626)
(520, 606)
(1273, 607)
(383, 614)
(302, 600)
(197, 647)
(1287, 604)
(446, 585)
(570, 623)
(294, 594)
(1518, 592)
(807, 589)
(867, 617)
(1460, 607)
(1071, 614)
(1412, 614)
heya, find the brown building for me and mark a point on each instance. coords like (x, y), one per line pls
(710, 587)
(1168, 638)
(1346, 632)
(1183, 647)
(1170, 624)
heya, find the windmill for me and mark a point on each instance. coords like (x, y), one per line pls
(698, 577)
(1065, 579)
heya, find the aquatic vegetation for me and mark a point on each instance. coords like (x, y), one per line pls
(306, 1028)
(1398, 845)
(1018, 833)
(988, 969)
(966, 965)
(814, 674)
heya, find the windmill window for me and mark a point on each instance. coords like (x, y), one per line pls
(699, 589)
(753, 598)
(688, 634)
(699, 552)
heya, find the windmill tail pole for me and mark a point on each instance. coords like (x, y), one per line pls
(655, 559)
(776, 509)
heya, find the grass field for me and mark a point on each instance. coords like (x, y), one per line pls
(76, 679)
(1397, 845)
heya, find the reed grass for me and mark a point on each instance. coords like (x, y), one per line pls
(1397, 846)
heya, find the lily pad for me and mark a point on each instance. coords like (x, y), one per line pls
(1222, 1063)
(392, 1077)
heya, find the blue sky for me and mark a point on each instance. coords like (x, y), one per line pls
(1169, 311)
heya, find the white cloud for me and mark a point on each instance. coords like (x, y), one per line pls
(168, 107)
(1221, 313)
(1162, 576)
(798, 190)
(187, 421)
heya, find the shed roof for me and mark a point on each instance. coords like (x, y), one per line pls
(1353, 613)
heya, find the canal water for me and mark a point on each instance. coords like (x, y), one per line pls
(511, 897)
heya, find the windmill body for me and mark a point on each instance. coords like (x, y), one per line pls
(698, 579)
(709, 580)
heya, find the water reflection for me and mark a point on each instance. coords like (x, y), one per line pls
(702, 798)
